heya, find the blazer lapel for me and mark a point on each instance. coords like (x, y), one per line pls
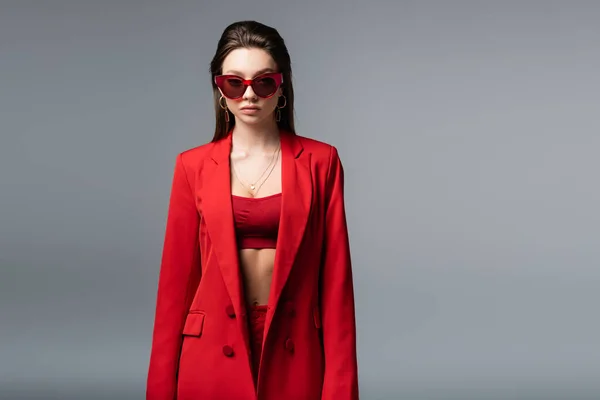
(297, 194)
(218, 215)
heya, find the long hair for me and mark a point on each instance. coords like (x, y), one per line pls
(252, 34)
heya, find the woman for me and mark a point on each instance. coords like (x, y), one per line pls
(255, 295)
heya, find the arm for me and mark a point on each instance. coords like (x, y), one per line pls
(179, 276)
(337, 294)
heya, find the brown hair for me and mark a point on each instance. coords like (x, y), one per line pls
(252, 34)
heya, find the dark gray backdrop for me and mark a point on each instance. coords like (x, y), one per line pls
(469, 133)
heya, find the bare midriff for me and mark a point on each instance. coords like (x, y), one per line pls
(257, 272)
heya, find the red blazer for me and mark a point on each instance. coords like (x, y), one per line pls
(200, 344)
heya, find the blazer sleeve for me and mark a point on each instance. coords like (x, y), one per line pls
(337, 294)
(179, 275)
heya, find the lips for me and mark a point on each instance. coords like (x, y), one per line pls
(250, 108)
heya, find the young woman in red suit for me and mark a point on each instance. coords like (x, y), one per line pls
(255, 294)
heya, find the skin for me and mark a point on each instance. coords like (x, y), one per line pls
(255, 141)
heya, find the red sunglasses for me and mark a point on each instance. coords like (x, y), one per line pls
(234, 87)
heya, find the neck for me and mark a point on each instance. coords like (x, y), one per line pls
(255, 138)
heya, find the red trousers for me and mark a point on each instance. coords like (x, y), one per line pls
(256, 322)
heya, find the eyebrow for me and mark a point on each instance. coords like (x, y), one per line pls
(262, 71)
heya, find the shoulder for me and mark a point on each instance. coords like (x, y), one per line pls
(320, 150)
(196, 153)
(193, 157)
(191, 160)
(325, 159)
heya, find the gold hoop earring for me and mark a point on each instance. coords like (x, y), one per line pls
(284, 101)
(278, 115)
(224, 107)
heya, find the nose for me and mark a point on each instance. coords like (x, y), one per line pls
(249, 94)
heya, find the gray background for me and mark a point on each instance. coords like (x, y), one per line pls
(469, 134)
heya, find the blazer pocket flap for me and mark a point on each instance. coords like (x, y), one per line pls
(194, 323)
(317, 317)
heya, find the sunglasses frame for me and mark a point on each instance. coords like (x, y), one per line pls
(277, 76)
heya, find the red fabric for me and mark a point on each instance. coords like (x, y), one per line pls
(256, 221)
(256, 323)
(201, 346)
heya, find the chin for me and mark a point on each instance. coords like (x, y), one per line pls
(251, 119)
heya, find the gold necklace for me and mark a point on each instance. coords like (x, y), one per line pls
(270, 172)
(253, 185)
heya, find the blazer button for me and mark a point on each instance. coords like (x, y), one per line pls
(289, 345)
(230, 311)
(228, 351)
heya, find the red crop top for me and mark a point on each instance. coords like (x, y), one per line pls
(256, 221)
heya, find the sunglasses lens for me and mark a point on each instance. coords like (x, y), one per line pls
(264, 87)
(232, 87)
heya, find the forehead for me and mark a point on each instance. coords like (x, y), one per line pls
(248, 63)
